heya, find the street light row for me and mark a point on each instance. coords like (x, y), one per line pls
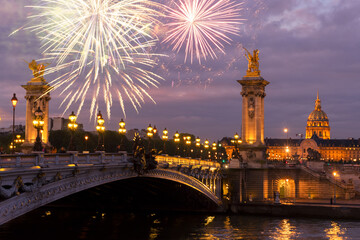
(38, 124)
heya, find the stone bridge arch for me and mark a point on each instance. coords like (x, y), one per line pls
(80, 179)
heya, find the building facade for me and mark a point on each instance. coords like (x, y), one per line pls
(317, 144)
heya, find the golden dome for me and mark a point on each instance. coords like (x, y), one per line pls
(318, 115)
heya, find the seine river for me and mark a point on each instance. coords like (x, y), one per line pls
(66, 224)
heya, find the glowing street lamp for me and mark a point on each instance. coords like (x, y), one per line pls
(14, 102)
(38, 124)
(86, 141)
(188, 143)
(12, 146)
(197, 142)
(150, 132)
(206, 143)
(336, 175)
(72, 125)
(236, 136)
(237, 140)
(18, 139)
(198, 145)
(122, 131)
(177, 140)
(165, 137)
(286, 130)
(188, 140)
(101, 129)
(177, 137)
(214, 148)
(17, 142)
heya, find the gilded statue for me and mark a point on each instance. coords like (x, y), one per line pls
(37, 69)
(253, 63)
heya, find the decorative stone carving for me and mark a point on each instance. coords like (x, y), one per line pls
(251, 107)
(250, 154)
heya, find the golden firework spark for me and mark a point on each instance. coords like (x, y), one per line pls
(202, 26)
(101, 46)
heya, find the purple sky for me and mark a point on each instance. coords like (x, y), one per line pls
(305, 46)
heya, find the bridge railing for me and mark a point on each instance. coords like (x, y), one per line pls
(30, 160)
(41, 159)
(186, 161)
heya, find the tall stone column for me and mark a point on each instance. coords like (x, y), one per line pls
(252, 149)
(253, 94)
(37, 95)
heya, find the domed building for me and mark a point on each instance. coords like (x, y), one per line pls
(317, 142)
(318, 122)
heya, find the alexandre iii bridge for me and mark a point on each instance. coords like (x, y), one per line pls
(28, 182)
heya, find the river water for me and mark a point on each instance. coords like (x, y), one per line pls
(64, 223)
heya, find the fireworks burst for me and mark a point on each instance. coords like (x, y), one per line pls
(202, 26)
(98, 45)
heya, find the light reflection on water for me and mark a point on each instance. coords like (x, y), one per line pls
(284, 231)
(155, 226)
(336, 232)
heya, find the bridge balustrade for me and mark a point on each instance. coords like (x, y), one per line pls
(186, 161)
(31, 160)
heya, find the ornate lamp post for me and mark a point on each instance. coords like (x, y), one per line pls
(72, 125)
(122, 131)
(287, 143)
(165, 137)
(14, 102)
(214, 149)
(198, 145)
(101, 129)
(19, 139)
(86, 141)
(154, 134)
(177, 141)
(38, 123)
(17, 142)
(149, 134)
(12, 147)
(206, 146)
(188, 144)
(237, 140)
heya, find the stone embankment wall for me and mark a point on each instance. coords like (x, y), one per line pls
(314, 211)
(252, 185)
